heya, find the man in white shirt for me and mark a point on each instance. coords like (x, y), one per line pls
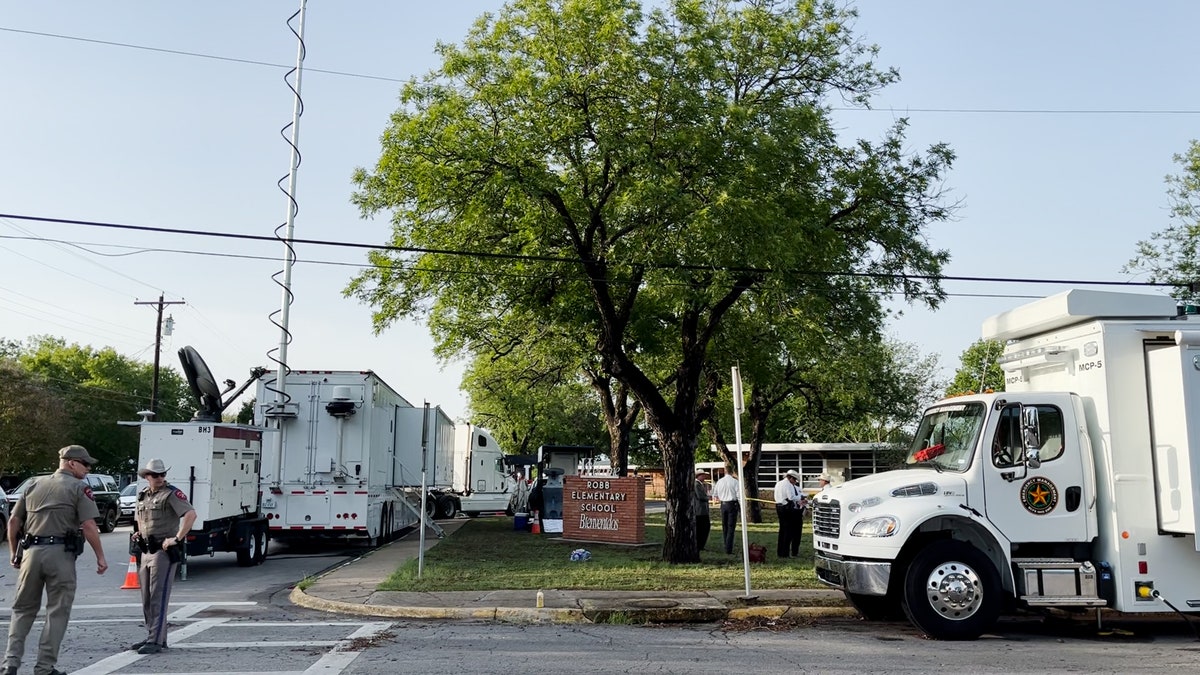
(727, 492)
(789, 505)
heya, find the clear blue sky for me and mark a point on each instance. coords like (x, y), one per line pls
(115, 134)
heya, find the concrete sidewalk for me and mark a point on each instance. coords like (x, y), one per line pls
(350, 589)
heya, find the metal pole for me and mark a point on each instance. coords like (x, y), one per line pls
(737, 435)
(289, 253)
(157, 347)
(157, 355)
(424, 511)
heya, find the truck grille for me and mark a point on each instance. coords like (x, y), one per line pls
(827, 519)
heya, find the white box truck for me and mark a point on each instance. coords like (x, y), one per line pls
(339, 468)
(1073, 489)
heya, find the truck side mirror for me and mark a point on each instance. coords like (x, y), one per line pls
(1030, 437)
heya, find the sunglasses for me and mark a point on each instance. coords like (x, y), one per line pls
(155, 475)
(85, 464)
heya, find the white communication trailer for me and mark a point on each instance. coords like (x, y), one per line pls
(347, 465)
(1073, 489)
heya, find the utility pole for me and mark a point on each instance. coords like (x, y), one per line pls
(160, 303)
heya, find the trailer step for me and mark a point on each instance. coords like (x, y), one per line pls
(1065, 601)
(403, 498)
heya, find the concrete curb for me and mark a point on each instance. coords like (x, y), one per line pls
(507, 614)
(552, 615)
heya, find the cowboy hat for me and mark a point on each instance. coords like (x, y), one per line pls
(154, 466)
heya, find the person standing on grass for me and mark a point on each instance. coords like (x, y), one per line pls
(789, 505)
(700, 509)
(727, 492)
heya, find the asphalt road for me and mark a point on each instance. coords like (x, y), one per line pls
(227, 619)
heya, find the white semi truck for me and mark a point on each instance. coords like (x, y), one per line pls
(1073, 489)
(464, 468)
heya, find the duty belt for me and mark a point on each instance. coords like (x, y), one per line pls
(44, 541)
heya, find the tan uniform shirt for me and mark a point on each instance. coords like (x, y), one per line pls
(55, 505)
(158, 513)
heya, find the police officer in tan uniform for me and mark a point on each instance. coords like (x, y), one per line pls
(164, 518)
(51, 510)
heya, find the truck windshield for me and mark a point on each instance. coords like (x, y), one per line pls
(946, 438)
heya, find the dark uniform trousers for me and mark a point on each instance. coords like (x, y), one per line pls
(791, 525)
(155, 576)
(730, 511)
(51, 568)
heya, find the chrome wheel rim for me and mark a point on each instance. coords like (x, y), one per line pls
(955, 590)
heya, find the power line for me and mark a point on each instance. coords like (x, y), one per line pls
(1022, 111)
(381, 78)
(558, 259)
(199, 55)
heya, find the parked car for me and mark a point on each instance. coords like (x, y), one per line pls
(104, 490)
(128, 502)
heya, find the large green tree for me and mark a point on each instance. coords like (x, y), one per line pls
(33, 421)
(528, 398)
(1172, 255)
(100, 388)
(635, 175)
(979, 369)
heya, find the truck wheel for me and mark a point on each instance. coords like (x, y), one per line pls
(260, 548)
(245, 554)
(952, 591)
(876, 607)
(445, 507)
(109, 522)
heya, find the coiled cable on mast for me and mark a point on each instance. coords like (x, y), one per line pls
(284, 232)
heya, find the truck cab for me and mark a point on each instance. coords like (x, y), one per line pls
(1072, 489)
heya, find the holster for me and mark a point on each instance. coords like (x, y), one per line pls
(74, 542)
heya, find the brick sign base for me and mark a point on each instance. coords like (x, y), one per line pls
(604, 509)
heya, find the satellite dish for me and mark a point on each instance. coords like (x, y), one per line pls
(204, 385)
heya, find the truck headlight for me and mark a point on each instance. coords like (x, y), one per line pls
(879, 526)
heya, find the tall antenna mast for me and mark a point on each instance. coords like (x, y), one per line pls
(289, 257)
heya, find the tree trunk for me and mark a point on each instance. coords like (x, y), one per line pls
(679, 455)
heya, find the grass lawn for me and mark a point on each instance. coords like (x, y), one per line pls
(487, 554)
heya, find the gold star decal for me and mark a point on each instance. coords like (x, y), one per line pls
(1038, 495)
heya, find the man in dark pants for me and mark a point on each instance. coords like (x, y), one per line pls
(727, 490)
(51, 511)
(164, 518)
(789, 506)
(700, 509)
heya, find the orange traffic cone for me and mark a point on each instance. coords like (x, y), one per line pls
(131, 576)
(537, 524)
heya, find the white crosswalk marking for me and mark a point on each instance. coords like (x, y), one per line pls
(337, 654)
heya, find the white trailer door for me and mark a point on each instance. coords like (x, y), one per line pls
(1173, 387)
(1046, 504)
